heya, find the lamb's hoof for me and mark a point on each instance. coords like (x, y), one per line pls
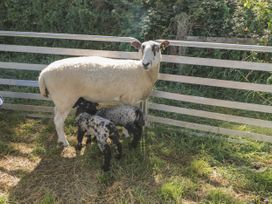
(78, 147)
(88, 141)
(132, 145)
(105, 168)
(118, 156)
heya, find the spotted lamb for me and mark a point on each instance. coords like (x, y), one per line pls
(105, 133)
(130, 117)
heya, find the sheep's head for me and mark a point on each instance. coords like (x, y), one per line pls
(150, 52)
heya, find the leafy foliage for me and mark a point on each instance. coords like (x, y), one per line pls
(142, 19)
(254, 18)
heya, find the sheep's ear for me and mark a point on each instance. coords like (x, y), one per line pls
(164, 44)
(136, 44)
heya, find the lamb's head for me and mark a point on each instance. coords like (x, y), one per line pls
(82, 105)
(150, 52)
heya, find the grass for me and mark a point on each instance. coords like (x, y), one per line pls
(171, 165)
(48, 198)
(176, 187)
(3, 199)
(218, 196)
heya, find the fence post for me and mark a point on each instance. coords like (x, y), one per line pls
(144, 109)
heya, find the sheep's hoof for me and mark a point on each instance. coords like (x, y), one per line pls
(63, 143)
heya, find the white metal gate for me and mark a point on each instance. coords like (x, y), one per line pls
(36, 110)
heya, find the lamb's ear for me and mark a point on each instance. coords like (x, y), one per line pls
(164, 44)
(136, 44)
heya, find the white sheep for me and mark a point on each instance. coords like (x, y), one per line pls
(100, 79)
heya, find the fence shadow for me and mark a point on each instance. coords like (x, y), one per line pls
(63, 176)
(62, 179)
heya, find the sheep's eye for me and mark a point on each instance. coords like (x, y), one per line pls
(155, 49)
(143, 47)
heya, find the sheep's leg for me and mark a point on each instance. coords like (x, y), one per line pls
(59, 123)
(80, 134)
(107, 158)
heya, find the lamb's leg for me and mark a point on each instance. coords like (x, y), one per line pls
(89, 139)
(136, 131)
(138, 135)
(89, 134)
(59, 123)
(116, 141)
(119, 150)
(107, 158)
(125, 132)
(80, 134)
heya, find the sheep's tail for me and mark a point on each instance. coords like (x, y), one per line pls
(140, 117)
(43, 90)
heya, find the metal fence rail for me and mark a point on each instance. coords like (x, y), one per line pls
(224, 46)
(66, 36)
(209, 128)
(213, 102)
(68, 51)
(227, 84)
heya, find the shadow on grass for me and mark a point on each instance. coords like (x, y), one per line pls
(63, 176)
(9, 131)
(17, 130)
(67, 180)
(169, 166)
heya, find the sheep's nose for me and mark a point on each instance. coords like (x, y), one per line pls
(145, 65)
